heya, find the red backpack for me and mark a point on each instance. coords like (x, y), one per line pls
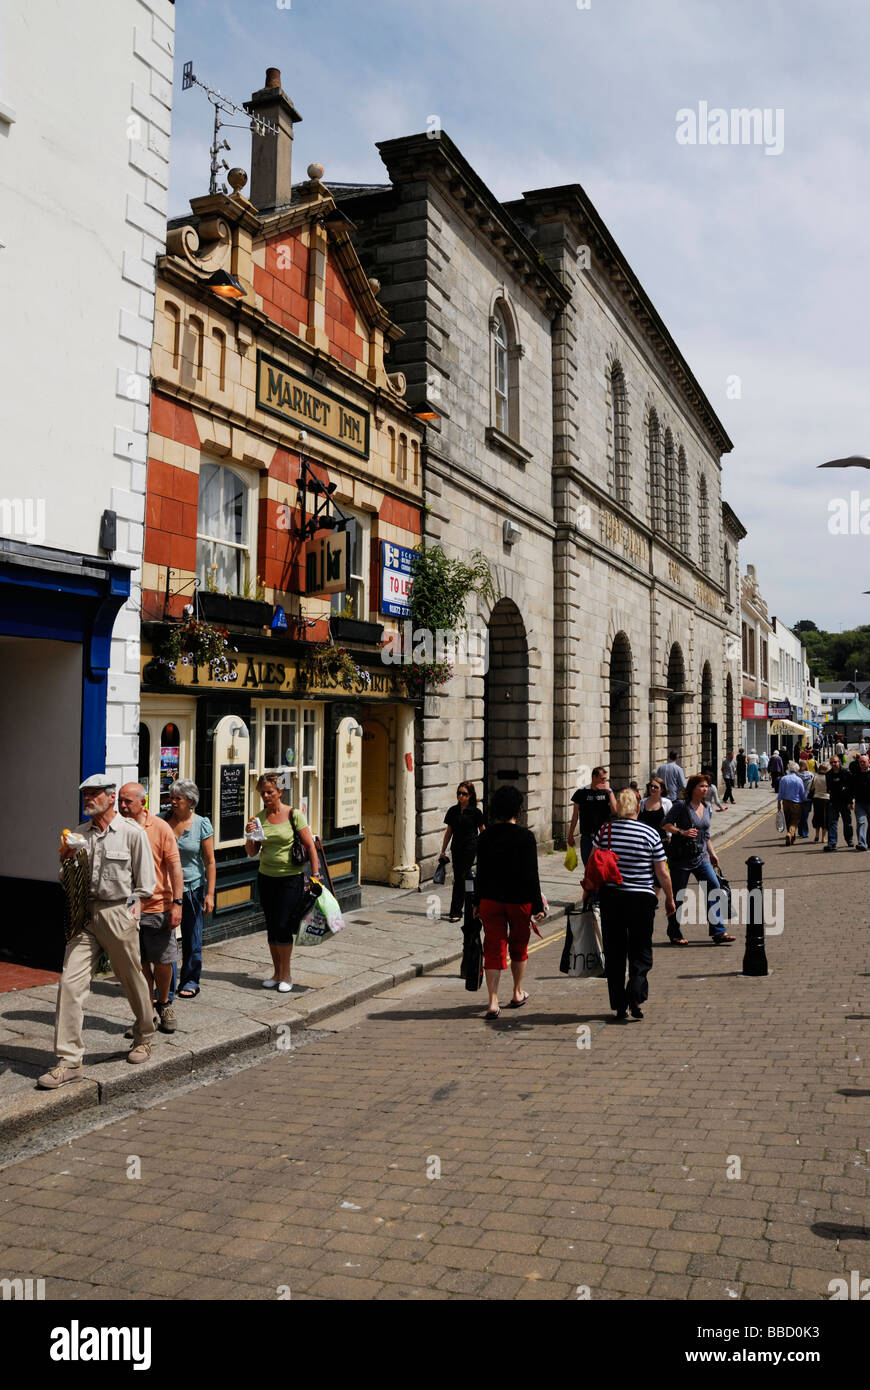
(602, 867)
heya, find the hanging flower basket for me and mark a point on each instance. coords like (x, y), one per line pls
(335, 665)
(194, 643)
(420, 674)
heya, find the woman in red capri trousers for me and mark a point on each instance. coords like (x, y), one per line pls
(507, 895)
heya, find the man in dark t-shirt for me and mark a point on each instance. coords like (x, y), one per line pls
(593, 805)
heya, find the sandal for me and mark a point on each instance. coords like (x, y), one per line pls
(677, 941)
(492, 1014)
(454, 919)
(188, 993)
(518, 1003)
(723, 940)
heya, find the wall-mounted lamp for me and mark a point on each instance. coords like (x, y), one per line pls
(425, 412)
(226, 285)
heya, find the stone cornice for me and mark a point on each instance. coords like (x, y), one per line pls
(732, 522)
(415, 157)
(547, 204)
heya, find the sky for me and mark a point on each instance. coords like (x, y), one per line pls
(755, 253)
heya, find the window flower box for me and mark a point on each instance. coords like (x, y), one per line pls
(233, 611)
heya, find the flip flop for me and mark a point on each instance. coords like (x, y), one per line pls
(188, 993)
(518, 1003)
(492, 1014)
(722, 940)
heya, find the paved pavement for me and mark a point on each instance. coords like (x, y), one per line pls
(715, 1150)
(395, 936)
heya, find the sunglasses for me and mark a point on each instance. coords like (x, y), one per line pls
(463, 793)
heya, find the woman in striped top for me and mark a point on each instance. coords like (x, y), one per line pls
(627, 908)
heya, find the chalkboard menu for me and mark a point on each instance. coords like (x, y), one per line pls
(231, 801)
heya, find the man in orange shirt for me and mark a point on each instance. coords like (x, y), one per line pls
(161, 914)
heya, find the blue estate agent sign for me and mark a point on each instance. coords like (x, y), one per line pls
(396, 580)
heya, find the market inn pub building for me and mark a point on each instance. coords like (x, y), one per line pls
(283, 502)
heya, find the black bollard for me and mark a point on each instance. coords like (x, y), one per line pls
(755, 956)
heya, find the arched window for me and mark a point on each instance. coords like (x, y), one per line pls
(619, 434)
(656, 480)
(391, 433)
(727, 577)
(500, 372)
(505, 354)
(220, 341)
(670, 523)
(172, 311)
(415, 457)
(682, 501)
(703, 525)
(195, 346)
(403, 457)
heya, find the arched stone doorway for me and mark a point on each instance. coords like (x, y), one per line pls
(506, 703)
(620, 712)
(676, 691)
(709, 730)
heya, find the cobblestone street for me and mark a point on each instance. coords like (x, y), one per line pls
(413, 1151)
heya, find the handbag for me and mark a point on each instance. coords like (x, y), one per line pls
(298, 852)
(601, 867)
(440, 874)
(583, 952)
(681, 850)
(724, 892)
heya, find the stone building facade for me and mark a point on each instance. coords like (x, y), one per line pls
(477, 306)
(642, 654)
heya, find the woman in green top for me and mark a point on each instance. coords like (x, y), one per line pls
(280, 882)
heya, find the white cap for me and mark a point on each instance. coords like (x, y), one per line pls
(98, 781)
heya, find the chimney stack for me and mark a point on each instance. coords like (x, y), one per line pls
(272, 154)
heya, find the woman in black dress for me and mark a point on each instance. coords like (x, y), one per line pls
(464, 823)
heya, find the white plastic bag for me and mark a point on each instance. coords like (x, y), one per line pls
(780, 820)
(321, 922)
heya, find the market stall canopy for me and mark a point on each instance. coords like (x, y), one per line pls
(853, 713)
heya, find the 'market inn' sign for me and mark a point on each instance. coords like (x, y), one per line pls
(296, 399)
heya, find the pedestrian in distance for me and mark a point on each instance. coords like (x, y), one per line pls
(464, 822)
(712, 799)
(861, 796)
(791, 795)
(507, 895)
(116, 875)
(775, 768)
(752, 769)
(691, 852)
(821, 801)
(763, 764)
(806, 775)
(672, 775)
(655, 806)
(729, 772)
(741, 768)
(628, 908)
(593, 806)
(286, 850)
(839, 785)
(195, 836)
(161, 914)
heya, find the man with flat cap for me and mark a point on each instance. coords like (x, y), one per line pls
(121, 869)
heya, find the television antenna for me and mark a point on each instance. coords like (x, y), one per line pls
(223, 105)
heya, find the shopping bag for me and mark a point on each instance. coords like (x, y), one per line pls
(780, 821)
(722, 894)
(583, 952)
(571, 859)
(321, 917)
(440, 874)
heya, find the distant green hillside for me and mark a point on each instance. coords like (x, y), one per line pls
(836, 656)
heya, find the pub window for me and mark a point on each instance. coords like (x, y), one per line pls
(170, 753)
(289, 737)
(224, 534)
(353, 602)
